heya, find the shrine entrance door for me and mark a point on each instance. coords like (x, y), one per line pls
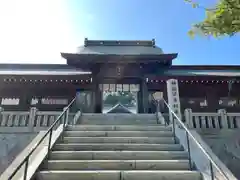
(119, 98)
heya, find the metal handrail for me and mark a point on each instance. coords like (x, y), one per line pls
(198, 144)
(49, 131)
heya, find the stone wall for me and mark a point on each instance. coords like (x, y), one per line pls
(226, 145)
(11, 145)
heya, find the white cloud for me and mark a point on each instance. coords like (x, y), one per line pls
(34, 31)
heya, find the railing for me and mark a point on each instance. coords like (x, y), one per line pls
(31, 119)
(177, 123)
(216, 120)
(63, 116)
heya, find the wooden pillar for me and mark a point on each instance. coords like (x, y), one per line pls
(97, 93)
(140, 103)
(144, 96)
(212, 99)
(25, 101)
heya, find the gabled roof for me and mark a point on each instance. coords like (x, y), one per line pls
(120, 48)
(113, 51)
(119, 108)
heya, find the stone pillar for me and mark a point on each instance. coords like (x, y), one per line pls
(78, 100)
(173, 98)
(188, 118)
(223, 116)
(1, 110)
(66, 115)
(32, 117)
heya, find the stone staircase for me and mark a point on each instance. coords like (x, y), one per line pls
(117, 152)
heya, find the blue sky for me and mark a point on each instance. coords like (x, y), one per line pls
(35, 32)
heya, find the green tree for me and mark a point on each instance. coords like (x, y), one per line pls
(223, 19)
(124, 98)
(111, 99)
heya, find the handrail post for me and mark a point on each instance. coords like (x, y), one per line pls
(66, 114)
(157, 111)
(189, 151)
(211, 171)
(25, 169)
(174, 130)
(49, 142)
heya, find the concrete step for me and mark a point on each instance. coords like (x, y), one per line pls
(118, 128)
(118, 155)
(118, 133)
(140, 140)
(119, 175)
(119, 122)
(116, 165)
(117, 147)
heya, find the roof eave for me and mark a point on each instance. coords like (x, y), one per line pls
(71, 56)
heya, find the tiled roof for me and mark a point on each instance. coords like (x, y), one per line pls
(119, 47)
(120, 50)
(39, 69)
(61, 69)
(189, 72)
(41, 72)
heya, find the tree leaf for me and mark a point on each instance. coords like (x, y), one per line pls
(194, 5)
(223, 20)
(191, 33)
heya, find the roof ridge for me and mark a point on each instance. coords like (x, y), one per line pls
(150, 43)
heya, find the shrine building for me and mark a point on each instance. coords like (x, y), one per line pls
(103, 65)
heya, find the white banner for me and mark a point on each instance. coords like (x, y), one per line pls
(173, 98)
